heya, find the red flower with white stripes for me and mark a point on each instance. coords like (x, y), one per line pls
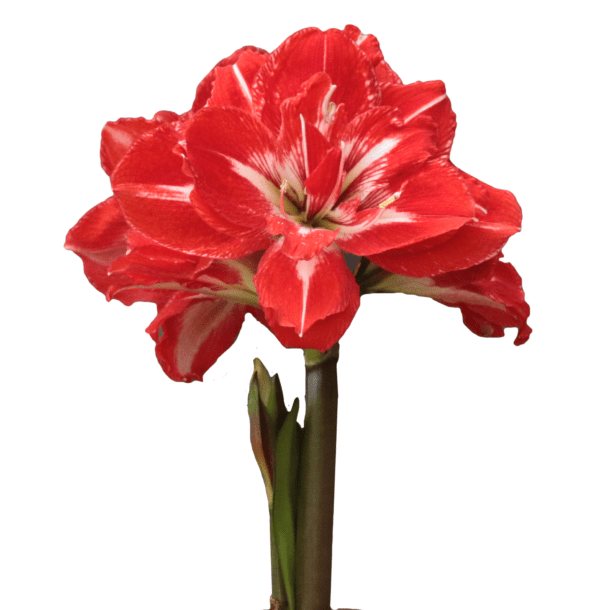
(287, 163)
(323, 151)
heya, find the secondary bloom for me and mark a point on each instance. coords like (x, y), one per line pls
(286, 163)
(201, 302)
(490, 295)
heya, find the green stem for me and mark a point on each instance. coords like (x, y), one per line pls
(314, 533)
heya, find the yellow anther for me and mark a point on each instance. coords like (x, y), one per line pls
(330, 111)
(384, 204)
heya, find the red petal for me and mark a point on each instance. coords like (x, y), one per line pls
(233, 159)
(324, 184)
(386, 75)
(231, 279)
(147, 275)
(99, 239)
(351, 219)
(301, 148)
(239, 272)
(118, 136)
(322, 335)
(149, 265)
(432, 202)
(154, 194)
(301, 242)
(192, 331)
(298, 293)
(313, 101)
(232, 82)
(490, 295)
(497, 217)
(379, 152)
(306, 53)
(503, 286)
(424, 100)
(367, 43)
(205, 88)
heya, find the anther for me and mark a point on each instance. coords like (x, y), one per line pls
(330, 111)
(384, 204)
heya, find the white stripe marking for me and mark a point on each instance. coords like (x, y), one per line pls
(304, 146)
(243, 83)
(305, 270)
(269, 190)
(437, 100)
(198, 323)
(378, 151)
(386, 218)
(156, 191)
(494, 227)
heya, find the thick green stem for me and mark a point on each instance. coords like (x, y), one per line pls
(314, 532)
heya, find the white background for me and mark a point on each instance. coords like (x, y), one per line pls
(468, 468)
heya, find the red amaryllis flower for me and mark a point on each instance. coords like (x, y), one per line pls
(286, 163)
(323, 152)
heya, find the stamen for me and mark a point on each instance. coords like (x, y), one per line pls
(330, 112)
(327, 99)
(384, 204)
(283, 189)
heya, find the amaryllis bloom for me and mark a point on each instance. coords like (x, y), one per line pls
(287, 163)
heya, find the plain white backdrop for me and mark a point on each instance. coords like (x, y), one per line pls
(468, 468)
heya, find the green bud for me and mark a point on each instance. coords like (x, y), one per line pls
(259, 439)
(285, 500)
